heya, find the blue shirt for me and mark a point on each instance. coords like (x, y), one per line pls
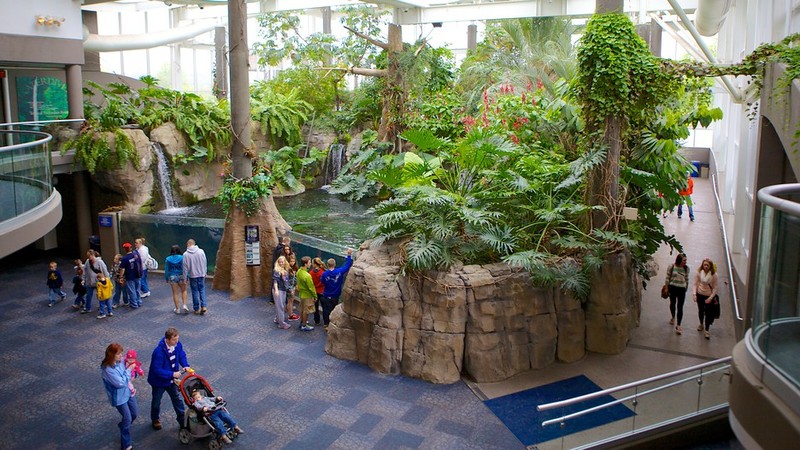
(334, 279)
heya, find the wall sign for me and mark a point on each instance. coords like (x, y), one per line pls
(252, 254)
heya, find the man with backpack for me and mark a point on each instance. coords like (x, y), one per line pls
(130, 273)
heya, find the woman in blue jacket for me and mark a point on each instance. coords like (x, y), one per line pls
(173, 272)
(116, 379)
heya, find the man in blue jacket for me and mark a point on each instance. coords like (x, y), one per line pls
(166, 366)
(333, 279)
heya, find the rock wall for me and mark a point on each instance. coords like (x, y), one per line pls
(488, 321)
(135, 185)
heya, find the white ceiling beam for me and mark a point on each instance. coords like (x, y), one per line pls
(518, 9)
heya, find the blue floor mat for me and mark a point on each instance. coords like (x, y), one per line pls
(518, 411)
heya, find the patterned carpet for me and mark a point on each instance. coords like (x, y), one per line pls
(281, 387)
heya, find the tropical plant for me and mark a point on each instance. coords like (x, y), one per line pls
(521, 53)
(246, 193)
(281, 116)
(107, 108)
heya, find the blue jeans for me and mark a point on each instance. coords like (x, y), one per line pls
(198, 286)
(144, 287)
(119, 291)
(79, 300)
(177, 402)
(105, 307)
(218, 418)
(132, 286)
(89, 294)
(55, 293)
(688, 200)
(129, 411)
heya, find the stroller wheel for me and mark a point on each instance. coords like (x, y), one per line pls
(214, 444)
(231, 434)
(185, 436)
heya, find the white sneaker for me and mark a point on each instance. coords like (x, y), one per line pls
(101, 316)
(185, 309)
(144, 294)
(177, 311)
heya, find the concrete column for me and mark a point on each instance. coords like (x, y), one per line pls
(75, 91)
(221, 63)
(472, 38)
(326, 19)
(83, 210)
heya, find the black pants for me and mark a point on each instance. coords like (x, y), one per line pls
(328, 303)
(704, 311)
(316, 309)
(677, 296)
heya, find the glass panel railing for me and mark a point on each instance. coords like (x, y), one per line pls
(163, 231)
(775, 334)
(637, 408)
(25, 175)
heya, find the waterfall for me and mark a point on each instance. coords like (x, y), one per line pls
(164, 177)
(336, 156)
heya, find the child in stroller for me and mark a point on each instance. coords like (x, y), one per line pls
(206, 415)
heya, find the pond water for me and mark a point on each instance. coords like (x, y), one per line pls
(315, 213)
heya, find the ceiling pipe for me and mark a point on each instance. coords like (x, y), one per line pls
(733, 90)
(710, 15)
(116, 43)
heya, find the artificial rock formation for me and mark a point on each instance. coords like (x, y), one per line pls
(488, 321)
(134, 184)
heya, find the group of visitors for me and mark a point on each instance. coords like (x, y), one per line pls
(168, 364)
(704, 293)
(310, 282)
(126, 283)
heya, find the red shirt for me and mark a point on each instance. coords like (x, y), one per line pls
(316, 274)
(689, 188)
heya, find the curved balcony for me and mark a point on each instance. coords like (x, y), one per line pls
(29, 206)
(767, 369)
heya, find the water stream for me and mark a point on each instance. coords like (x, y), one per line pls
(164, 178)
(333, 165)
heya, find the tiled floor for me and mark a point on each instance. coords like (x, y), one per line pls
(281, 386)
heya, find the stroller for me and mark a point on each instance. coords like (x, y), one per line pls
(196, 424)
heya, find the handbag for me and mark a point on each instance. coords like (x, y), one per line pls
(715, 306)
(664, 291)
(151, 263)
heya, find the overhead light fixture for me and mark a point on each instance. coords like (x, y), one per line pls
(49, 21)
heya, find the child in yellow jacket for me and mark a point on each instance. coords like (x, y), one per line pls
(105, 289)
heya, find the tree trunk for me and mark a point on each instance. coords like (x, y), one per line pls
(240, 90)
(394, 93)
(232, 272)
(604, 179)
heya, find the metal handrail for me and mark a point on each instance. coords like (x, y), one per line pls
(663, 376)
(45, 138)
(41, 122)
(714, 189)
(630, 397)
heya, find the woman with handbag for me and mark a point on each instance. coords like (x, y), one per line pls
(677, 282)
(705, 295)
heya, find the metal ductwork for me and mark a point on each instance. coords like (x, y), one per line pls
(109, 43)
(710, 15)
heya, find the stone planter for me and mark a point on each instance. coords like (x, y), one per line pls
(488, 322)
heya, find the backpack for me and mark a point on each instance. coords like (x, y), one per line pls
(151, 263)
